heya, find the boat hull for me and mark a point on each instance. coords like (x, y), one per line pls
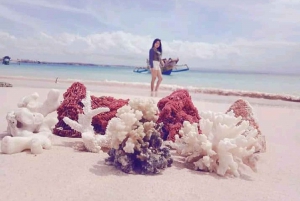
(6, 60)
(164, 70)
(143, 70)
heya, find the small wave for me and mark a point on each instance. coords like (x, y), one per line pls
(250, 94)
(168, 87)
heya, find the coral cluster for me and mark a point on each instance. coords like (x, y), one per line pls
(226, 144)
(72, 106)
(101, 120)
(174, 110)
(136, 145)
(133, 130)
(27, 126)
(242, 108)
(92, 142)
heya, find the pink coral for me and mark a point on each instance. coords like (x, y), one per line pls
(174, 110)
(243, 109)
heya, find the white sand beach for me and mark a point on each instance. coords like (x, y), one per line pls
(63, 173)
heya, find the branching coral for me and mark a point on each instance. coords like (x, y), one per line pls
(242, 108)
(147, 107)
(84, 126)
(136, 145)
(226, 145)
(174, 110)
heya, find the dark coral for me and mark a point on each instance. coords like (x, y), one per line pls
(174, 110)
(101, 120)
(72, 106)
(148, 158)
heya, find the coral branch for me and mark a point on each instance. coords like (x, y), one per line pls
(92, 142)
(36, 143)
(242, 108)
(226, 144)
(84, 123)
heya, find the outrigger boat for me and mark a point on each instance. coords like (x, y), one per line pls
(6, 60)
(170, 66)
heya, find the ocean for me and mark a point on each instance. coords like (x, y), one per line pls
(265, 83)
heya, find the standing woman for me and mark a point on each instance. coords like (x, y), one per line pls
(154, 61)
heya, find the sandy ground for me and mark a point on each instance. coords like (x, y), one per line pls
(63, 173)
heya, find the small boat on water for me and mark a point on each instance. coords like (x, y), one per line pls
(170, 66)
(6, 60)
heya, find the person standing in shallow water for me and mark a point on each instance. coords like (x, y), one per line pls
(154, 62)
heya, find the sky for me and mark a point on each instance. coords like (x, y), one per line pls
(238, 35)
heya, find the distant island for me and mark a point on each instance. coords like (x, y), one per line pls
(20, 61)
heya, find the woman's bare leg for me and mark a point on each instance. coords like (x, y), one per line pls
(159, 75)
(153, 78)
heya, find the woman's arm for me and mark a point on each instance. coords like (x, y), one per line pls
(162, 63)
(151, 56)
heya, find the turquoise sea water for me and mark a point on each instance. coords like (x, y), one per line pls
(278, 84)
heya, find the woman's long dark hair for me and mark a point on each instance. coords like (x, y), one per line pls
(160, 46)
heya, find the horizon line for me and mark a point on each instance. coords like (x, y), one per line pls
(205, 70)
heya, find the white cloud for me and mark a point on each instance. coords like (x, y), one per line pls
(272, 19)
(263, 36)
(128, 49)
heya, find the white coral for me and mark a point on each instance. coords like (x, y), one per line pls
(28, 126)
(36, 143)
(147, 107)
(129, 147)
(127, 124)
(22, 122)
(49, 105)
(223, 147)
(92, 142)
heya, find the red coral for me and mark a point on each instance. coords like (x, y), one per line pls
(70, 107)
(101, 120)
(174, 110)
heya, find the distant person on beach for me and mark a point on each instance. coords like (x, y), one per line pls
(155, 61)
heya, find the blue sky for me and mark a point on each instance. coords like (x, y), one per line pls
(256, 35)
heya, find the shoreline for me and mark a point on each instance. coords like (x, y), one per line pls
(213, 93)
(202, 70)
